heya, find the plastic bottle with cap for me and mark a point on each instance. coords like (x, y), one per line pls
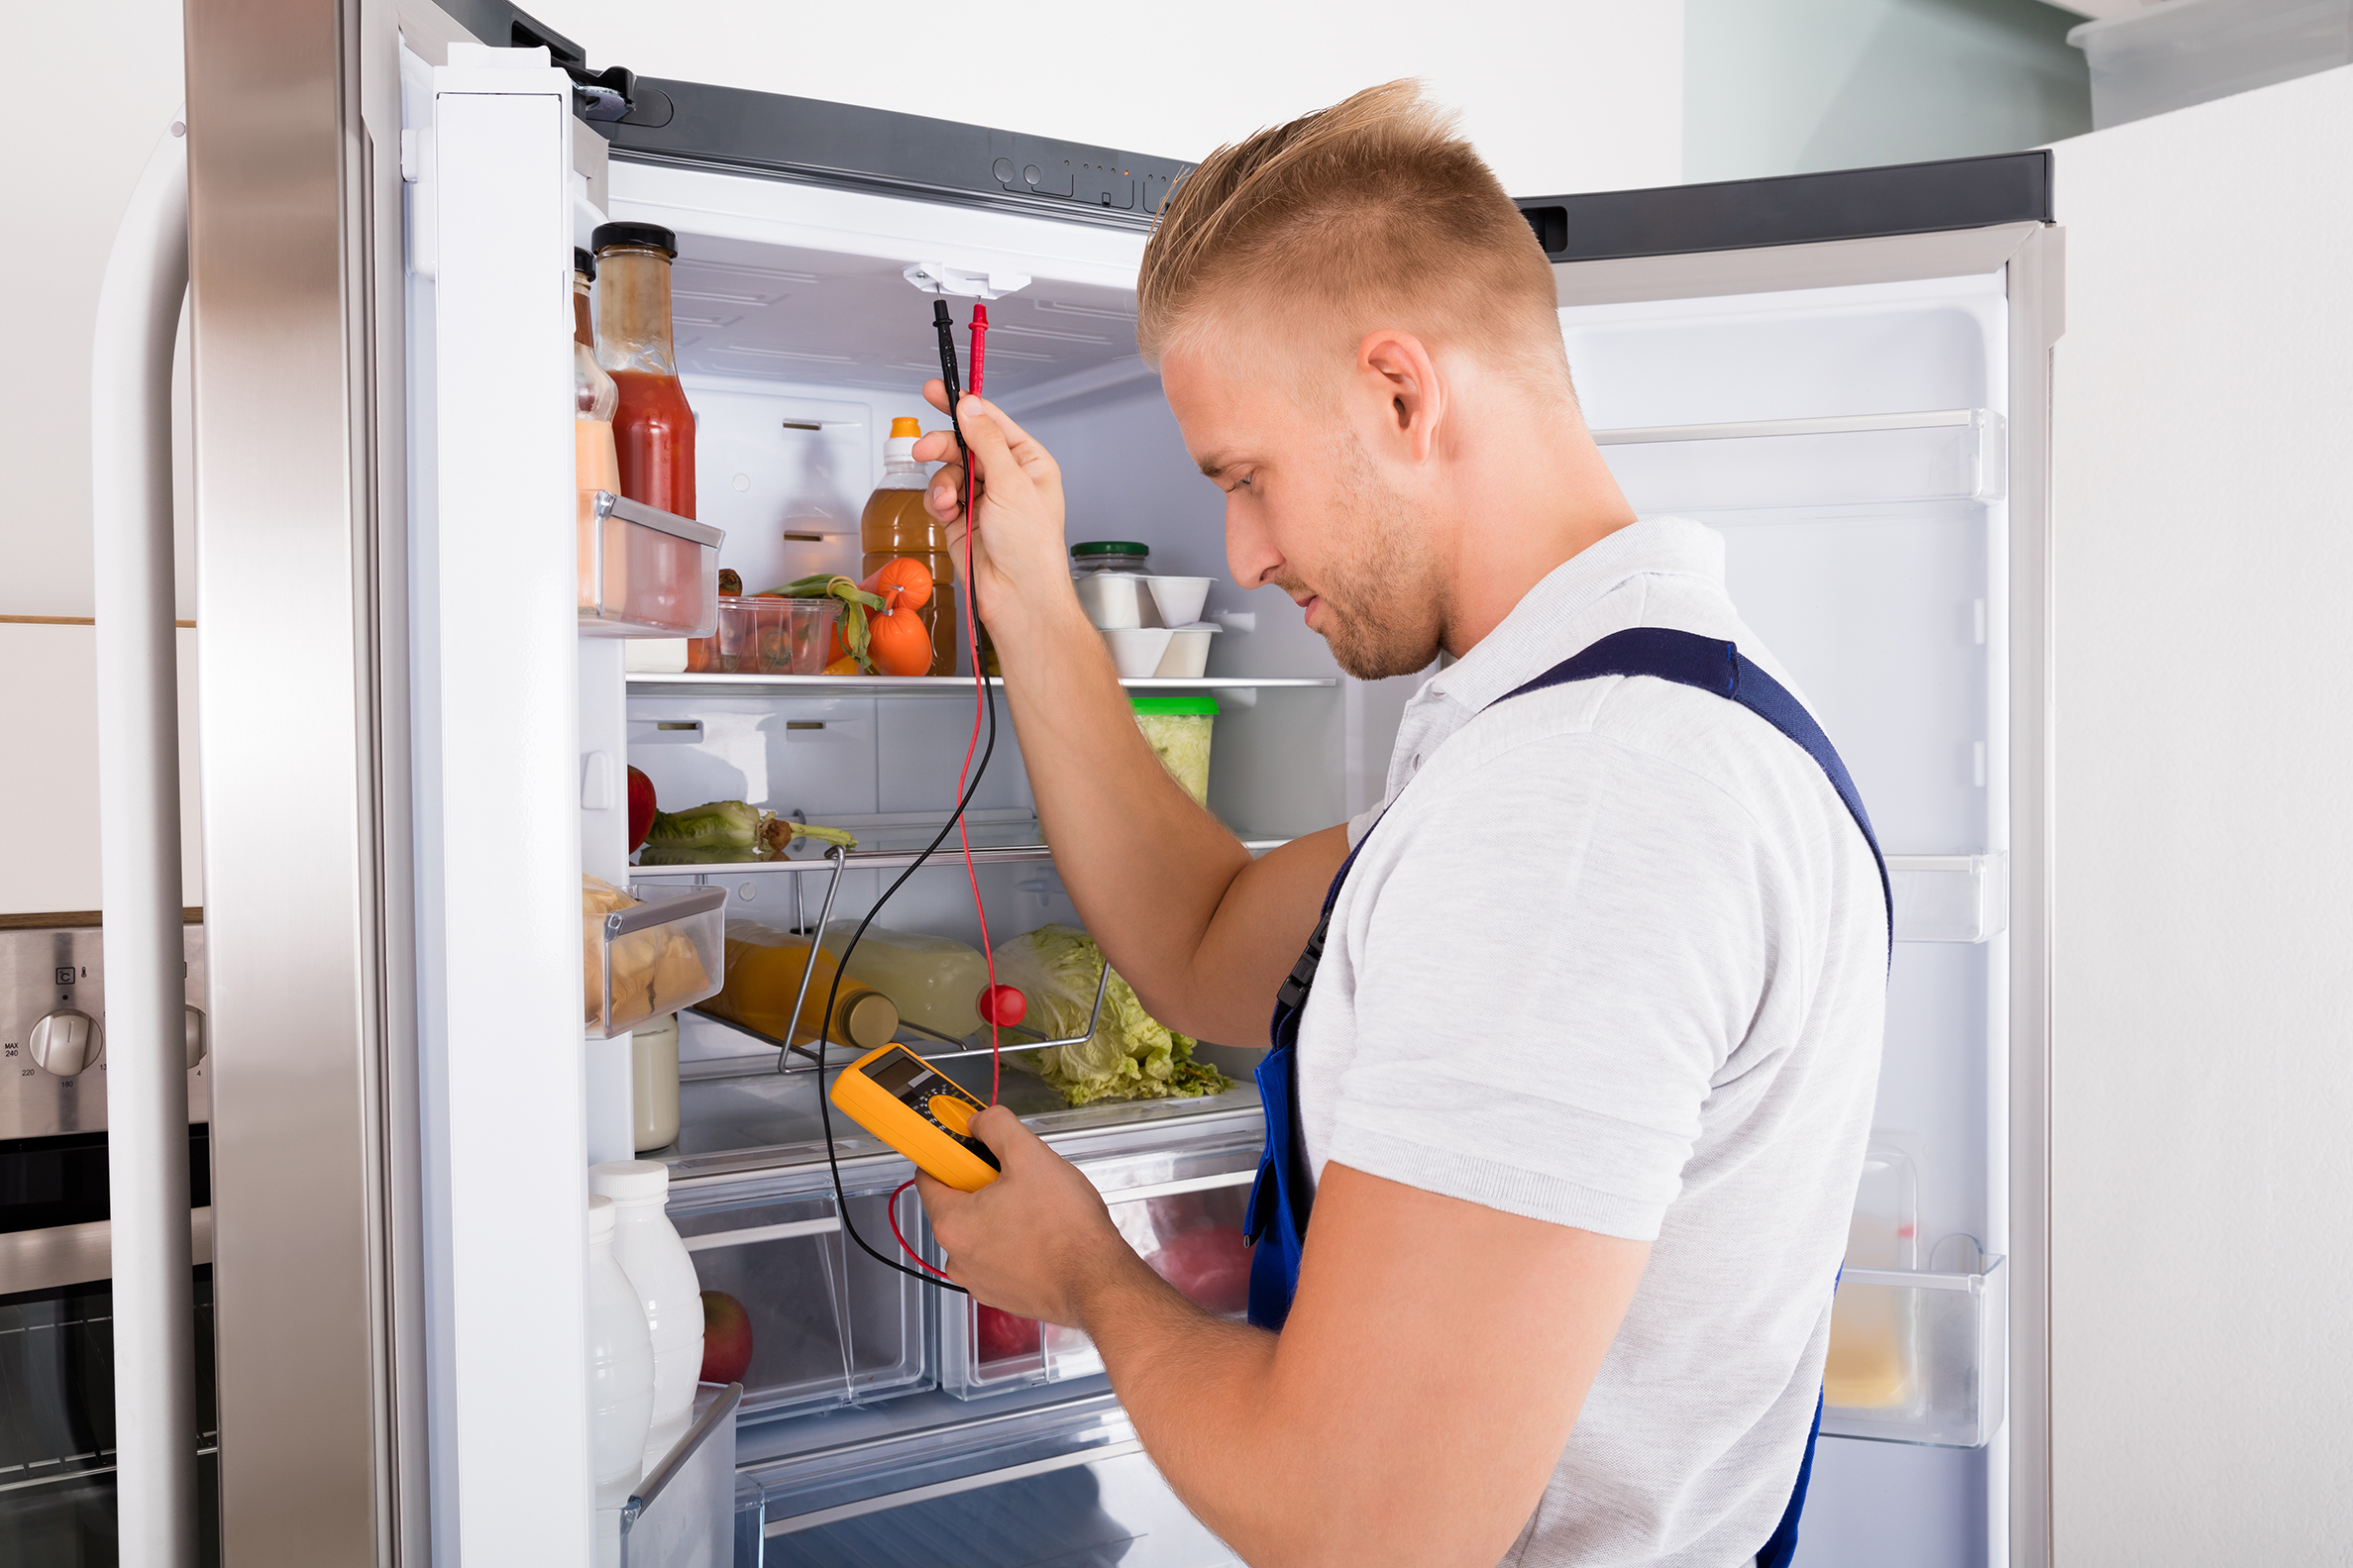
(662, 1273)
(620, 1366)
(896, 523)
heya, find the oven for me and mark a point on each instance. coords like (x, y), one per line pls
(57, 1343)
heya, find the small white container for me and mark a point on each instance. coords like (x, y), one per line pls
(1188, 651)
(620, 1366)
(1116, 600)
(653, 1082)
(662, 1273)
(1179, 599)
(1136, 651)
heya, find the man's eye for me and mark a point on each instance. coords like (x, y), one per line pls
(1238, 485)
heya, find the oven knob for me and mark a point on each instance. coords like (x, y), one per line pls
(67, 1041)
(198, 1044)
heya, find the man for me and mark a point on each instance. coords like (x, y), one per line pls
(1581, 1085)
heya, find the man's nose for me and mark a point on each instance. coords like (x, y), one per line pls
(1249, 554)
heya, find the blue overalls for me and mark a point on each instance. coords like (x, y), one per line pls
(1285, 1190)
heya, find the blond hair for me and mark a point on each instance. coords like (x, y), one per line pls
(1371, 213)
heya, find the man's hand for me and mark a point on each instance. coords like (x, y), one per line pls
(1036, 1242)
(1021, 567)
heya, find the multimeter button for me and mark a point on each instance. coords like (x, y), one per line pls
(951, 1112)
(981, 1149)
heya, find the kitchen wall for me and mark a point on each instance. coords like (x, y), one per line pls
(2201, 1176)
(1788, 86)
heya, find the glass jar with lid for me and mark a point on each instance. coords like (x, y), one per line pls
(1110, 554)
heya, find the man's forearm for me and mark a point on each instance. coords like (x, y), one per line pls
(1195, 1388)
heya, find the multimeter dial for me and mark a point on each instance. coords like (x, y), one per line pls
(932, 1096)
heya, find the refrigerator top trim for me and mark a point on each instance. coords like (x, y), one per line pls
(1831, 264)
(1794, 209)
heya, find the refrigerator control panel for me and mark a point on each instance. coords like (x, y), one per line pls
(53, 1042)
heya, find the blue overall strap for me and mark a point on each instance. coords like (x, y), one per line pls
(1276, 1223)
(1713, 665)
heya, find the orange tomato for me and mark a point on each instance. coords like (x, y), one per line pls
(898, 644)
(902, 582)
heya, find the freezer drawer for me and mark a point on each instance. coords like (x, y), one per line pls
(1184, 1217)
(829, 1325)
(1918, 1357)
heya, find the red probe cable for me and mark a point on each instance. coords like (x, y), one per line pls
(979, 696)
(900, 1237)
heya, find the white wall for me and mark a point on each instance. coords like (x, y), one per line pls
(88, 113)
(1788, 86)
(1560, 95)
(2203, 1080)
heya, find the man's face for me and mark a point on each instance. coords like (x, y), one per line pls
(1308, 506)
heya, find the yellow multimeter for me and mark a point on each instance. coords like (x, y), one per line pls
(918, 1110)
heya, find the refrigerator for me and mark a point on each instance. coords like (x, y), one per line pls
(413, 746)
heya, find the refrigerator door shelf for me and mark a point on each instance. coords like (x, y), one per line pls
(1919, 1357)
(1180, 1209)
(1950, 897)
(828, 1325)
(664, 954)
(683, 1513)
(645, 572)
(1870, 460)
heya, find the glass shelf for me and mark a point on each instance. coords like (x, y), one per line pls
(891, 848)
(707, 686)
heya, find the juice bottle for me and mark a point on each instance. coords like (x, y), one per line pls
(931, 979)
(895, 523)
(594, 399)
(653, 427)
(762, 976)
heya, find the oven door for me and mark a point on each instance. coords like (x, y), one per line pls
(56, 1353)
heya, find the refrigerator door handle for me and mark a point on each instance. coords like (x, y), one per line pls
(138, 711)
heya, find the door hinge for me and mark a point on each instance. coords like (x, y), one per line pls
(599, 97)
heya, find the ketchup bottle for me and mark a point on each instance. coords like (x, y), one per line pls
(653, 429)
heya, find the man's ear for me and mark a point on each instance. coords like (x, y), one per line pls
(1396, 366)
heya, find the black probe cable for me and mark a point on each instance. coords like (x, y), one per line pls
(947, 360)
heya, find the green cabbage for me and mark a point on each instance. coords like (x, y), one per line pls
(1128, 1057)
(717, 824)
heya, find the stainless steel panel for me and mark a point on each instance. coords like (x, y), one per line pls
(42, 970)
(306, 901)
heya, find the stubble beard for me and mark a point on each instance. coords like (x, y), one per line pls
(1384, 597)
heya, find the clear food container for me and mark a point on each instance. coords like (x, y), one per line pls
(758, 635)
(1178, 729)
(645, 572)
(1189, 1229)
(664, 953)
(826, 1324)
(1925, 1353)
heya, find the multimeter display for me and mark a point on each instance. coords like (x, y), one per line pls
(918, 1110)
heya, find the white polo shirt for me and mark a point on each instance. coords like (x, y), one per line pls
(1616, 958)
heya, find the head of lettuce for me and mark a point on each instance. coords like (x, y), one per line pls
(1129, 1056)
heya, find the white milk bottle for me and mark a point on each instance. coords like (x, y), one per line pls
(620, 1367)
(663, 1275)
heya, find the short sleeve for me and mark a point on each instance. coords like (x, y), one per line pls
(1547, 983)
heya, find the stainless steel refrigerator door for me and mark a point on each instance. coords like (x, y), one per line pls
(294, 236)
(2029, 258)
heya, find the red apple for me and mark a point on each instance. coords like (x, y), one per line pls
(1002, 1337)
(641, 813)
(726, 1338)
(1001, 1005)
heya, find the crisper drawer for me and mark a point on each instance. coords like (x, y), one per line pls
(827, 1324)
(1073, 1510)
(1917, 1357)
(1180, 1209)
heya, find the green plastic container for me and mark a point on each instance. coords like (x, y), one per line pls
(1178, 729)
